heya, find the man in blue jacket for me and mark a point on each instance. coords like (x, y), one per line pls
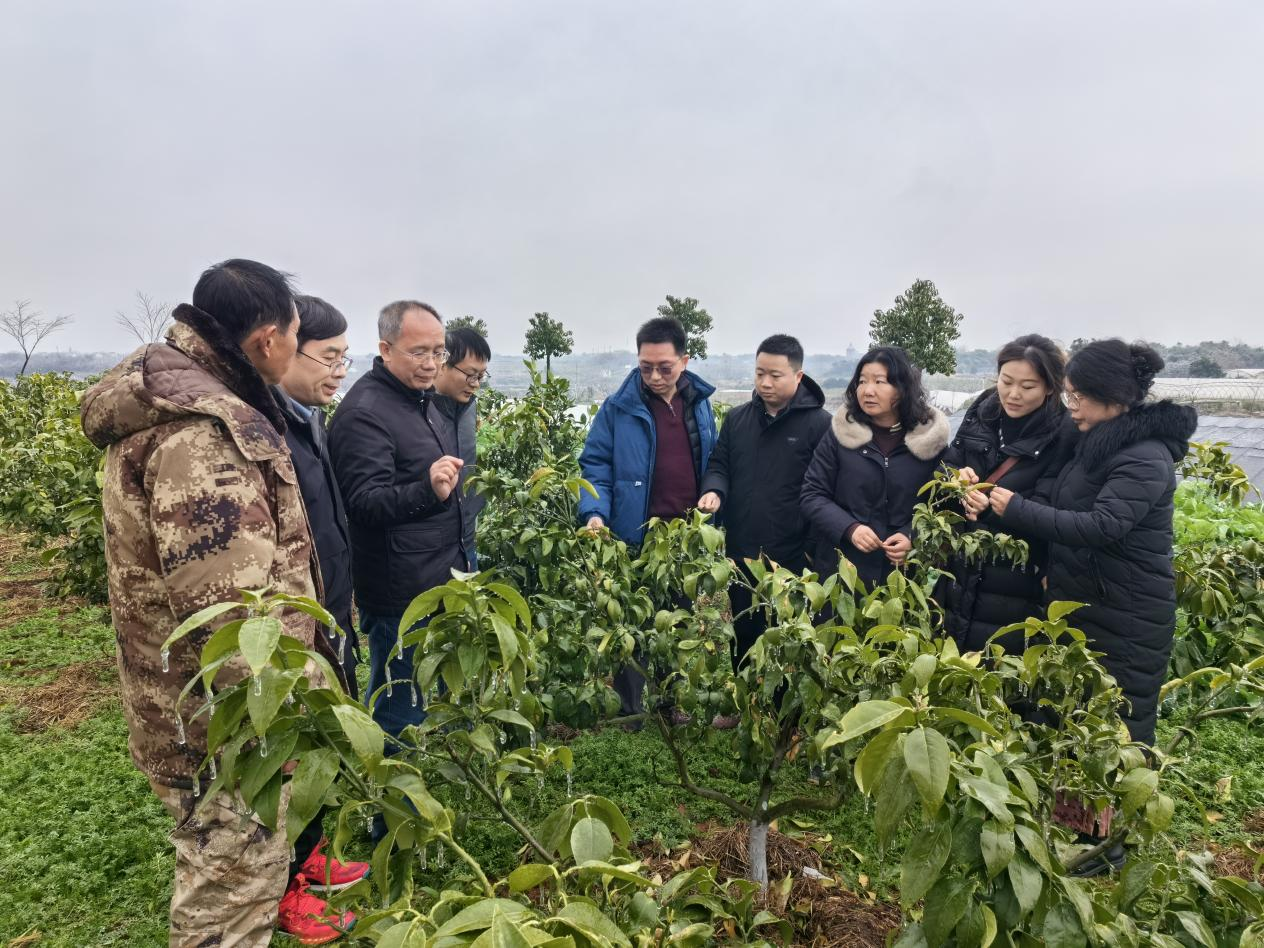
(647, 450)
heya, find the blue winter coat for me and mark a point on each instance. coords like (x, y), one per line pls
(618, 457)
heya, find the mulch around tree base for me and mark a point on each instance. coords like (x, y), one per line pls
(66, 701)
(824, 913)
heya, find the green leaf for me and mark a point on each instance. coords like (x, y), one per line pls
(1197, 928)
(503, 933)
(606, 811)
(312, 778)
(945, 904)
(923, 860)
(430, 809)
(1035, 846)
(367, 739)
(871, 761)
(511, 717)
(1058, 610)
(863, 718)
(1026, 881)
(997, 843)
(507, 638)
(591, 840)
(478, 916)
(614, 872)
(197, 620)
(926, 755)
(1136, 787)
(995, 798)
(1062, 928)
(911, 937)
(258, 639)
(965, 717)
(587, 917)
(1134, 881)
(266, 694)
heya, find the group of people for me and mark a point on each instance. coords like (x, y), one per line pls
(222, 473)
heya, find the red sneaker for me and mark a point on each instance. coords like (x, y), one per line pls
(341, 875)
(308, 918)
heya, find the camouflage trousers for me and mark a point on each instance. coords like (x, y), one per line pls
(231, 871)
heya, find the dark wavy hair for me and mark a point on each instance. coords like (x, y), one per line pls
(1115, 372)
(1047, 358)
(319, 319)
(913, 408)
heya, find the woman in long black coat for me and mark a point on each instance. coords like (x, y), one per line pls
(883, 445)
(1017, 434)
(1108, 520)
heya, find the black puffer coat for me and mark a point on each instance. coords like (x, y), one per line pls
(849, 482)
(1109, 527)
(757, 468)
(979, 599)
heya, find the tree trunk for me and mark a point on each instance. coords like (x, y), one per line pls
(757, 853)
(548, 365)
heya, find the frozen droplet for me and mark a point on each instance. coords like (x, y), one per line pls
(423, 858)
(289, 699)
(258, 686)
(197, 787)
(569, 790)
(214, 772)
(539, 781)
(263, 746)
(467, 792)
(503, 738)
(413, 689)
(165, 655)
(441, 858)
(180, 739)
(342, 649)
(389, 690)
(517, 704)
(293, 854)
(534, 740)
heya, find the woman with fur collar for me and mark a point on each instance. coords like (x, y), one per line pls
(861, 487)
(1108, 520)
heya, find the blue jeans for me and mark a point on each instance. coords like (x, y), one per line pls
(395, 711)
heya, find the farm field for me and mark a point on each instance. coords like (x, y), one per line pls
(877, 784)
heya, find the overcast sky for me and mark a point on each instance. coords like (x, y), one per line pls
(1072, 168)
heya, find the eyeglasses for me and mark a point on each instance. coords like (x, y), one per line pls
(344, 363)
(664, 370)
(421, 358)
(1071, 399)
(474, 378)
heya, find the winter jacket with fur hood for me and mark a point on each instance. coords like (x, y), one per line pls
(200, 500)
(849, 481)
(1108, 523)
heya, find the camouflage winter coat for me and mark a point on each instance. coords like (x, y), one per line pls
(201, 499)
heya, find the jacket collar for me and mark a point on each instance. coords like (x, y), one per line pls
(985, 412)
(450, 407)
(628, 395)
(809, 395)
(1171, 424)
(925, 441)
(382, 374)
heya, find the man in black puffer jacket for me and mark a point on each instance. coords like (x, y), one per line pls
(756, 470)
(1108, 520)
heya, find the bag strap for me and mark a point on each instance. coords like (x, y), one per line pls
(1002, 469)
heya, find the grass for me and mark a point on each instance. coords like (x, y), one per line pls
(84, 859)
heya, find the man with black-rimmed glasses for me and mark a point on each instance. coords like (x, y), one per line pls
(398, 473)
(457, 385)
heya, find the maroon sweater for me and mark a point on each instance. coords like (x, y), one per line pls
(674, 488)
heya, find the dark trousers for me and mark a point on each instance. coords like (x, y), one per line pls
(395, 711)
(746, 628)
(306, 842)
(347, 648)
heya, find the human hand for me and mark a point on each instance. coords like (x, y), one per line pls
(897, 547)
(864, 539)
(1000, 498)
(595, 523)
(974, 503)
(444, 474)
(967, 476)
(709, 502)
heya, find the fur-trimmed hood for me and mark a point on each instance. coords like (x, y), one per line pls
(924, 442)
(1165, 421)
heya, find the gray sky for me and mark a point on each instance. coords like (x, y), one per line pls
(1078, 168)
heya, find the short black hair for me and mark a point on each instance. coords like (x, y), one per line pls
(319, 320)
(464, 341)
(1113, 372)
(783, 345)
(913, 408)
(242, 295)
(662, 329)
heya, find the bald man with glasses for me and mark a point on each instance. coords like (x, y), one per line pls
(398, 469)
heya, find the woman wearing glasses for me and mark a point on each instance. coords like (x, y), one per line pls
(1108, 520)
(1017, 434)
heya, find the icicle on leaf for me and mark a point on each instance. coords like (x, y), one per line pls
(258, 686)
(569, 790)
(165, 655)
(413, 689)
(180, 739)
(423, 857)
(263, 746)
(214, 772)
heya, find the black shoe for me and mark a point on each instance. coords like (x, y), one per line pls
(1112, 860)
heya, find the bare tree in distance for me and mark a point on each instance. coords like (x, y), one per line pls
(28, 328)
(149, 321)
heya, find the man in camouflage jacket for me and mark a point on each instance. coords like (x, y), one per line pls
(200, 500)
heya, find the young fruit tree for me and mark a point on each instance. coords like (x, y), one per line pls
(923, 325)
